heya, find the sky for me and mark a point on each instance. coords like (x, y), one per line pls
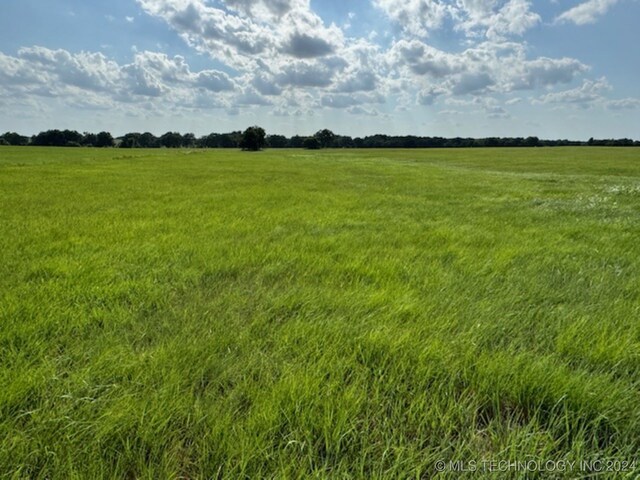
(552, 68)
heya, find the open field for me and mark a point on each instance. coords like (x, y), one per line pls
(295, 314)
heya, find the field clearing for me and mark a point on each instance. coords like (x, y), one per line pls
(297, 314)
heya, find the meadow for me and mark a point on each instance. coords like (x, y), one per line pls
(329, 314)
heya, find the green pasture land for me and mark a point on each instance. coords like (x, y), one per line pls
(331, 314)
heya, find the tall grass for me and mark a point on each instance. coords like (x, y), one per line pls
(287, 314)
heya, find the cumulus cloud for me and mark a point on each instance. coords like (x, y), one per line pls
(589, 93)
(92, 79)
(90, 71)
(358, 110)
(281, 55)
(266, 85)
(264, 9)
(471, 82)
(543, 71)
(490, 18)
(246, 28)
(214, 81)
(305, 54)
(623, 104)
(276, 46)
(251, 97)
(496, 112)
(358, 81)
(345, 101)
(429, 95)
(423, 59)
(306, 74)
(416, 16)
(301, 45)
(587, 12)
(488, 66)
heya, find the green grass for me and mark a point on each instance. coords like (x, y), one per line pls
(343, 314)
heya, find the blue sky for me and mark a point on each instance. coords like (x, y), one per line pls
(553, 68)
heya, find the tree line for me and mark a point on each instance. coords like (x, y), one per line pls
(254, 138)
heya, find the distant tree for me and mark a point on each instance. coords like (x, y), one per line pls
(342, 142)
(89, 139)
(296, 141)
(311, 143)
(253, 139)
(171, 140)
(230, 140)
(13, 138)
(532, 141)
(104, 139)
(325, 137)
(189, 140)
(148, 140)
(130, 140)
(57, 138)
(277, 141)
(72, 138)
(210, 141)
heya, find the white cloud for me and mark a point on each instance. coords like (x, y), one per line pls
(276, 29)
(416, 16)
(251, 97)
(266, 10)
(306, 55)
(358, 81)
(358, 110)
(589, 93)
(89, 71)
(491, 18)
(471, 82)
(423, 59)
(623, 104)
(543, 71)
(266, 85)
(496, 112)
(587, 12)
(352, 100)
(301, 45)
(214, 81)
(306, 74)
(92, 80)
(280, 54)
(428, 96)
(489, 66)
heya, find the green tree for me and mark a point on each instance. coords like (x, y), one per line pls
(277, 141)
(171, 140)
(325, 137)
(148, 140)
(130, 140)
(12, 138)
(104, 139)
(188, 140)
(311, 143)
(253, 139)
(532, 141)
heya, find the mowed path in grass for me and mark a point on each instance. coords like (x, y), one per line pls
(341, 313)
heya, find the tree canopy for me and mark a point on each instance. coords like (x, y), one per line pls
(253, 139)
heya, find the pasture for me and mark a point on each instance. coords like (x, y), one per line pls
(329, 314)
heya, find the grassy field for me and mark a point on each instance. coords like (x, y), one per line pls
(343, 314)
